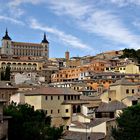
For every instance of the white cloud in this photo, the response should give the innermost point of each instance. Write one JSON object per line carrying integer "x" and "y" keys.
{"x": 123, "y": 3}
{"x": 136, "y": 23}
{"x": 109, "y": 26}
{"x": 67, "y": 39}
{"x": 73, "y": 7}
{"x": 11, "y": 20}
{"x": 16, "y": 3}
{"x": 99, "y": 22}
{"x": 16, "y": 9}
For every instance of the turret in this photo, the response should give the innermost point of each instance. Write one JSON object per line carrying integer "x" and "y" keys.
{"x": 44, "y": 39}
{"x": 45, "y": 45}
{"x": 6, "y": 37}
{"x": 6, "y": 44}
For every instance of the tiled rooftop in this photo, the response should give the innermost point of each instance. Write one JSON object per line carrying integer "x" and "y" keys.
{"x": 111, "y": 107}
{"x": 70, "y": 135}
{"x": 53, "y": 91}
{"x": 26, "y": 44}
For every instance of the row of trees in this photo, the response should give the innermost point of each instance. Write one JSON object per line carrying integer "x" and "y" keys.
{"x": 131, "y": 53}
{"x": 29, "y": 124}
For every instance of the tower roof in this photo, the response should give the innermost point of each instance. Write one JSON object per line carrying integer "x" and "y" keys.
{"x": 6, "y": 36}
{"x": 44, "y": 39}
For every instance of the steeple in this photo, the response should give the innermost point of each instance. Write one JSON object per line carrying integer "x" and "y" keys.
{"x": 6, "y": 37}
{"x": 44, "y": 39}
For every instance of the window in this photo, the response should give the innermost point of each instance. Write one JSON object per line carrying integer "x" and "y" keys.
{"x": 58, "y": 97}
{"x": 71, "y": 97}
{"x": 51, "y": 111}
{"x": 67, "y": 110}
{"x": 132, "y": 90}
{"x": 109, "y": 99}
{"x": 64, "y": 97}
{"x": 46, "y": 112}
{"x": 127, "y": 91}
{"x": 51, "y": 97}
{"x": 78, "y": 97}
{"x": 58, "y": 111}
{"x": 46, "y": 97}
{"x": 134, "y": 102}
{"x": 2, "y": 95}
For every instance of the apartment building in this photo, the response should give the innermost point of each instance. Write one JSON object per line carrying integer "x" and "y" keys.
{"x": 68, "y": 75}
{"x": 120, "y": 90}
{"x": 60, "y": 103}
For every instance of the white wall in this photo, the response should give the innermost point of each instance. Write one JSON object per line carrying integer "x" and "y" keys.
{"x": 99, "y": 128}
{"x": 18, "y": 98}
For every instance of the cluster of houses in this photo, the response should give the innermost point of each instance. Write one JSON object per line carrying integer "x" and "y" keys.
{"x": 85, "y": 94}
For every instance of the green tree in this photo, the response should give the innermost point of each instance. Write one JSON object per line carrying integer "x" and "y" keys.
{"x": 7, "y": 73}
{"x": 128, "y": 124}
{"x": 138, "y": 55}
{"x": 2, "y": 76}
{"x": 28, "y": 124}
{"x": 131, "y": 53}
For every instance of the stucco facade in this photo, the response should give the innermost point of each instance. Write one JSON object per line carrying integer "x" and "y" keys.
{"x": 55, "y": 104}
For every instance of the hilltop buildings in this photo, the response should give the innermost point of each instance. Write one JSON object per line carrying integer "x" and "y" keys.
{"x": 85, "y": 94}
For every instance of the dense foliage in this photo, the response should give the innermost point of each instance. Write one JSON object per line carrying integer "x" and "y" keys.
{"x": 131, "y": 53}
{"x": 28, "y": 124}
{"x": 128, "y": 124}
{"x": 5, "y": 75}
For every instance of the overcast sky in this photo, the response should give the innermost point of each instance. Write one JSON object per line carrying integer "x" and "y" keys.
{"x": 83, "y": 27}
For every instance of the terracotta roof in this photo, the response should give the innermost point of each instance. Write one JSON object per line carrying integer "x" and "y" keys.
{"x": 71, "y": 135}
{"x": 111, "y": 107}
{"x": 52, "y": 91}
{"x": 25, "y": 44}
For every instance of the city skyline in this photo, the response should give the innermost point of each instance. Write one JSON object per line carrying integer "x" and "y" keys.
{"x": 79, "y": 26}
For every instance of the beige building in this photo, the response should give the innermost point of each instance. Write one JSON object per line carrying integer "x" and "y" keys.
{"x": 133, "y": 69}
{"x": 120, "y": 90}
{"x": 17, "y": 65}
{"x": 6, "y": 91}
{"x": 126, "y": 68}
{"x": 59, "y": 103}
{"x": 10, "y": 47}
